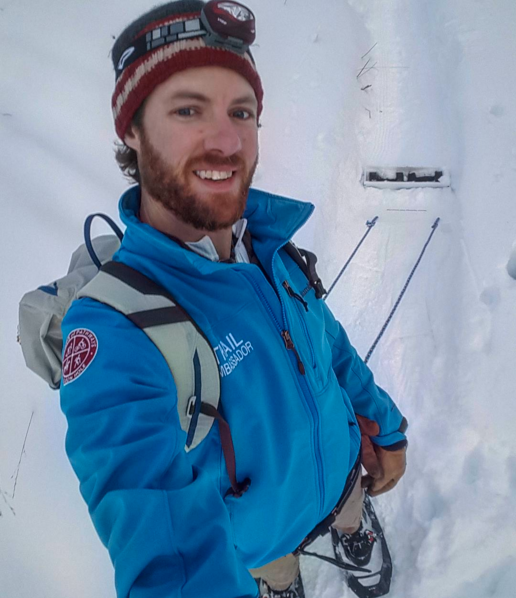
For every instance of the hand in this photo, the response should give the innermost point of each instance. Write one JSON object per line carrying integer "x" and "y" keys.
{"x": 384, "y": 468}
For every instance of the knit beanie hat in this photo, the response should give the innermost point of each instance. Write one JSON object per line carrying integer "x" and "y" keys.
{"x": 166, "y": 38}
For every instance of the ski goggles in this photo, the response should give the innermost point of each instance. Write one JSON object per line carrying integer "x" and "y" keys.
{"x": 225, "y": 25}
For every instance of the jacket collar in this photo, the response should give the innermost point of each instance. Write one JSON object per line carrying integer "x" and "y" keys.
{"x": 271, "y": 219}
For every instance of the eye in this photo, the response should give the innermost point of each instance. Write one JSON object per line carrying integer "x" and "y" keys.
{"x": 186, "y": 112}
{"x": 243, "y": 114}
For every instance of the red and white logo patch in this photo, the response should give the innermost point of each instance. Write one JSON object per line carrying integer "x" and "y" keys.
{"x": 80, "y": 350}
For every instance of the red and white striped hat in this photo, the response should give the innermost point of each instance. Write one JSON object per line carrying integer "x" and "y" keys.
{"x": 160, "y": 43}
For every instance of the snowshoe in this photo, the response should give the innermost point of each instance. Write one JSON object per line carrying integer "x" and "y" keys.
{"x": 296, "y": 590}
{"x": 366, "y": 547}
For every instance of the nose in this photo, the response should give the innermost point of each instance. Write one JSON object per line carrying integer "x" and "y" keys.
{"x": 223, "y": 137}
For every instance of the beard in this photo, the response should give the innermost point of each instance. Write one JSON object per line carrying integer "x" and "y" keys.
{"x": 168, "y": 185}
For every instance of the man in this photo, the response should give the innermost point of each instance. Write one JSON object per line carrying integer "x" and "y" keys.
{"x": 187, "y": 104}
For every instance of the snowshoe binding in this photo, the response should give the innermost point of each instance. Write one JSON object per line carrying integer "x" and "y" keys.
{"x": 295, "y": 590}
{"x": 367, "y": 547}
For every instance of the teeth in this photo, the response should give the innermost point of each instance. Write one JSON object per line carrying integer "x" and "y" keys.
{"x": 214, "y": 175}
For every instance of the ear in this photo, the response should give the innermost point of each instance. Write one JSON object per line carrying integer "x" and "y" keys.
{"x": 132, "y": 138}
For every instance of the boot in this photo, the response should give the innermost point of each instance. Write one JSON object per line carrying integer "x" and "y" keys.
{"x": 355, "y": 548}
{"x": 295, "y": 590}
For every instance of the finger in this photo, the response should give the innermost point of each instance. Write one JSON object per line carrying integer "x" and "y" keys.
{"x": 370, "y": 458}
{"x": 367, "y": 426}
{"x": 377, "y": 489}
{"x": 367, "y": 481}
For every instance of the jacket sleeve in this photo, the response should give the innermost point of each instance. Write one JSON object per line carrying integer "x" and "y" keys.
{"x": 366, "y": 397}
{"x": 164, "y": 523}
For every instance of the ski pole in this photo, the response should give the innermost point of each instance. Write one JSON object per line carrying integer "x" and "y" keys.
{"x": 370, "y": 352}
{"x": 369, "y": 224}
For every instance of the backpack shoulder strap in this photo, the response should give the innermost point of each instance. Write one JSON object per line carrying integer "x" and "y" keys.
{"x": 306, "y": 261}
{"x": 183, "y": 345}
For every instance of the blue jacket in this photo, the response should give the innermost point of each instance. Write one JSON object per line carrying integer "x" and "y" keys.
{"x": 161, "y": 512}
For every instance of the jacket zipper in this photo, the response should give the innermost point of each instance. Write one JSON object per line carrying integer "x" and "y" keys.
{"x": 294, "y": 295}
{"x": 289, "y": 344}
{"x": 285, "y": 334}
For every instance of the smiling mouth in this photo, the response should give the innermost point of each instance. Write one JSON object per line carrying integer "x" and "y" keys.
{"x": 215, "y": 175}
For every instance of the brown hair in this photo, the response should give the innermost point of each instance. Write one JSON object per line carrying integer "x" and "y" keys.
{"x": 126, "y": 157}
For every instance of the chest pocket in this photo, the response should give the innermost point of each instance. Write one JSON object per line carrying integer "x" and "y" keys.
{"x": 307, "y": 323}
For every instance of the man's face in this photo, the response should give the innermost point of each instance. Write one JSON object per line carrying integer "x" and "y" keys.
{"x": 198, "y": 146}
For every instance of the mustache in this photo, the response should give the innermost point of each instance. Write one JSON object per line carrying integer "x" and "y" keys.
{"x": 216, "y": 160}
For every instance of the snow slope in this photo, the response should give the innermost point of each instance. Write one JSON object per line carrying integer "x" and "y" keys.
{"x": 440, "y": 92}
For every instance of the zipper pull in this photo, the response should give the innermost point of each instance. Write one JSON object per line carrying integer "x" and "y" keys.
{"x": 289, "y": 344}
{"x": 294, "y": 295}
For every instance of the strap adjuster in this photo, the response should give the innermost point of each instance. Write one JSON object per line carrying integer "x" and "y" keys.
{"x": 190, "y": 406}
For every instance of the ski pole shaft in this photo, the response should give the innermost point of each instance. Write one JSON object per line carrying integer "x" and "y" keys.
{"x": 387, "y": 322}
{"x": 369, "y": 224}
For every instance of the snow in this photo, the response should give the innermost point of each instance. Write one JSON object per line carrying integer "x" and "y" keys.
{"x": 441, "y": 91}
{"x": 511, "y": 270}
